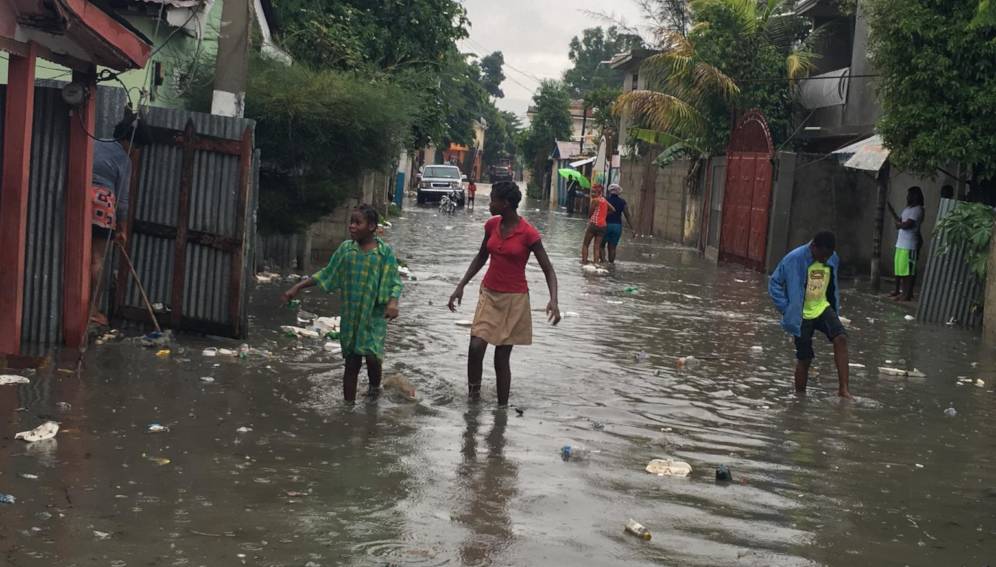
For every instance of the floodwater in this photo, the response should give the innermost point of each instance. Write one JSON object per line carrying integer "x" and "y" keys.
{"x": 886, "y": 479}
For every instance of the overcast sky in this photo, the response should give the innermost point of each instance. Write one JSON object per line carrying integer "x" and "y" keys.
{"x": 534, "y": 37}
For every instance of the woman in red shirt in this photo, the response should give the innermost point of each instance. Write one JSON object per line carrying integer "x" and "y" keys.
{"x": 503, "y": 316}
{"x": 597, "y": 223}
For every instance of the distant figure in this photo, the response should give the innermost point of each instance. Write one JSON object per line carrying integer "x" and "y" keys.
{"x": 597, "y": 222}
{"x": 503, "y": 317}
{"x": 947, "y": 192}
{"x": 613, "y": 226}
{"x": 471, "y": 192}
{"x": 364, "y": 270}
{"x": 805, "y": 291}
{"x": 908, "y": 242}
{"x": 109, "y": 193}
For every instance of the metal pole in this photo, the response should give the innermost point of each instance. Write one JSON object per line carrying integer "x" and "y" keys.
{"x": 883, "y": 196}
{"x": 141, "y": 288}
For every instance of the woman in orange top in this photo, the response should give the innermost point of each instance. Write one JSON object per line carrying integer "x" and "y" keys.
{"x": 596, "y": 224}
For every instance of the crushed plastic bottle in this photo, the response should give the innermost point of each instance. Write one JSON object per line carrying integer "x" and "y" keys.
{"x": 951, "y": 412}
{"x": 294, "y": 304}
{"x": 638, "y": 529}
{"x": 569, "y": 453}
{"x": 7, "y": 499}
{"x": 244, "y": 351}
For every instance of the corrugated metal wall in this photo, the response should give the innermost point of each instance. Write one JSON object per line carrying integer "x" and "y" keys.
{"x": 950, "y": 291}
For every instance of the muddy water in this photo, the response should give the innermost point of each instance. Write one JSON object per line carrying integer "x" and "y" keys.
{"x": 887, "y": 479}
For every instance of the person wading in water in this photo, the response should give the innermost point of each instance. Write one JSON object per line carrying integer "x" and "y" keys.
{"x": 503, "y": 316}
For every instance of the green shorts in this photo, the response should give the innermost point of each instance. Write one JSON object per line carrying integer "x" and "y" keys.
{"x": 905, "y": 263}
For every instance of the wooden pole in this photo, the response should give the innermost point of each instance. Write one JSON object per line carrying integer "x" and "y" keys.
{"x": 883, "y": 197}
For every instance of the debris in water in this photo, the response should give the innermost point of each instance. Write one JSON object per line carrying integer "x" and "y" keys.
{"x": 631, "y": 290}
{"x": 163, "y": 353}
{"x": 161, "y": 461}
{"x": 951, "y": 412}
{"x": 569, "y": 314}
{"x": 293, "y": 304}
{"x": 910, "y": 318}
{"x": 207, "y": 379}
{"x": 520, "y": 412}
{"x": 44, "y": 431}
{"x": 210, "y": 352}
{"x": 919, "y": 466}
{"x": 844, "y": 320}
{"x": 293, "y": 332}
{"x": 668, "y": 467}
{"x": 464, "y": 323}
{"x": 9, "y": 379}
{"x": 244, "y": 429}
{"x": 63, "y": 406}
{"x": 266, "y": 277}
{"x": 687, "y": 362}
{"x": 332, "y": 347}
{"x": 7, "y": 498}
{"x": 101, "y": 535}
{"x": 642, "y": 356}
{"x": 979, "y": 383}
{"x": 156, "y": 339}
{"x": 29, "y": 476}
{"x": 598, "y": 426}
{"x": 226, "y": 352}
{"x": 637, "y": 529}
{"x": 304, "y": 317}
{"x": 157, "y": 428}
{"x": 757, "y": 348}
{"x": 569, "y": 453}
{"x": 856, "y": 365}
{"x": 900, "y": 372}
{"x": 594, "y": 270}
{"x": 397, "y": 382}
{"x": 952, "y": 322}
{"x": 723, "y": 474}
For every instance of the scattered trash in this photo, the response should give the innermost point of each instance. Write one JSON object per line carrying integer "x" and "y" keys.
{"x": 520, "y": 412}
{"x": 159, "y": 307}
{"x": 951, "y": 412}
{"x": 900, "y": 372}
{"x": 952, "y": 322}
{"x": 244, "y": 429}
{"x": 979, "y": 383}
{"x": 397, "y": 382}
{"x": 327, "y": 325}
{"x": 7, "y": 498}
{"x": 156, "y": 339}
{"x": 266, "y": 277}
{"x": 101, "y": 535}
{"x": 723, "y": 474}
{"x": 687, "y": 362}
{"x": 161, "y": 461}
{"x": 757, "y": 349}
{"x": 304, "y": 318}
{"x": 638, "y": 529}
{"x": 9, "y": 379}
{"x": 568, "y": 453}
{"x": 464, "y": 323}
{"x": 667, "y": 467}
{"x": 613, "y": 302}
{"x": 163, "y": 353}
{"x": 919, "y": 466}
{"x": 332, "y": 347}
{"x": 844, "y": 320}
{"x": 29, "y": 476}
{"x": 210, "y": 352}
{"x": 298, "y": 332}
{"x": 405, "y": 272}
{"x": 642, "y": 356}
{"x": 566, "y": 314}
{"x": 44, "y": 431}
{"x": 631, "y": 290}
{"x": 156, "y": 428}
{"x": 856, "y": 365}
{"x": 598, "y": 426}
{"x": 594, "y": 270}
{"x": 293, "y": 304}
{"x": 226, "y": 352}
{"x": 207, "y": 379}
{"x": 910, "y": 318}
{"x": 244, "y": 351}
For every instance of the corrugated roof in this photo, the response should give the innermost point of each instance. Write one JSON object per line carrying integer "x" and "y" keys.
{"x": 565, "y": 150}
{"x": 869, "y": 154}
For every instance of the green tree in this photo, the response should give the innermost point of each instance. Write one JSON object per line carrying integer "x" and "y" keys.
{"x": 502, "y": 137}
{"x": 938, "y": 85}
{"x": 725, "y": 65}
{"x": 551, "y": 121}
{"x": 587, "y": 54}
{"x": 492, "y": 74}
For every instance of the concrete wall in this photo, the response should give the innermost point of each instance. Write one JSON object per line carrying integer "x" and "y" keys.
{"x": 676, "y": 214}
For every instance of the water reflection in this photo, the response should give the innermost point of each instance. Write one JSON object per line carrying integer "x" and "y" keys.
{"x": 488, "y": 484}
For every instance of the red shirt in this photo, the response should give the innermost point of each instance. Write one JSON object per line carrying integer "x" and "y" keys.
{"x": 599, "y": 211}
{"x": 472, "y": 189}
{"x": 507, "y": 270}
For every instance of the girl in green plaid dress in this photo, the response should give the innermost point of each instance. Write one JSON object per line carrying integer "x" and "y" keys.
{"x": 365, "y": 271}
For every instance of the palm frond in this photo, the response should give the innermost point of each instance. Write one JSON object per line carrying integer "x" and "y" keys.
{"x": 709, "y": 79}
{"x": 662, "y": 111}
{"x": 799, "y": 64}
{"x": 674, "y": 63}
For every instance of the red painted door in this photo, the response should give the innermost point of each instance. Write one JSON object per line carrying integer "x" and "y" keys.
{"x": 747, "y": 198}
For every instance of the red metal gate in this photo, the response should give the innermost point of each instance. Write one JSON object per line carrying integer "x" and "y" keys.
{"x": 747, "y": 196}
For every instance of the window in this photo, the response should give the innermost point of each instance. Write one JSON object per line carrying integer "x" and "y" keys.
{"x": 636, "y": 81}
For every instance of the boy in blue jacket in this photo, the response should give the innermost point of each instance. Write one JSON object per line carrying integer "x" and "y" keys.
{"x": 804, "y": 289}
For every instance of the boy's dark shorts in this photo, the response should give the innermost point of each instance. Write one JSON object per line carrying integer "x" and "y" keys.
{"x": 827, "y": 323}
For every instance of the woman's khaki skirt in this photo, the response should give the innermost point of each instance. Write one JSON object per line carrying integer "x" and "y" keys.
{"x": 503, "y": 319}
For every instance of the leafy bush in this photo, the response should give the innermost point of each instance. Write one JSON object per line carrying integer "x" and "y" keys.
{"x": 318, "y": 132}
{"x": 970, "y": 226}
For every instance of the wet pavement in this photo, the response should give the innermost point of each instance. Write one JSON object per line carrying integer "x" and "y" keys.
{"x": 264, "y": 465}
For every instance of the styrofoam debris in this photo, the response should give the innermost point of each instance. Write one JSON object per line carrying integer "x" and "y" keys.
{"x": 910, "y": 318}
{"x": 47, "y": 430}
{"x": 465, "y": 323}
{"x": 210, "y": 352}
{"x": 9, "y": 379}
{"x": 668, "y": 467}
{"x": 900, "y": 372}
{"x": 302, "y": 333}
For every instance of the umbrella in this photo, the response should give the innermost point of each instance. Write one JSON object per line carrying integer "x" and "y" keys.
{"x": 575, "y": 175}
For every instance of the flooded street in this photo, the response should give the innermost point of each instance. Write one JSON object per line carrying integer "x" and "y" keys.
{"x": 265, "y": 465}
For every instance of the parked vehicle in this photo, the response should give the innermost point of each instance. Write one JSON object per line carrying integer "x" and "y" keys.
{"x": 438, "y": 181}
{"x": 500, "y": 172}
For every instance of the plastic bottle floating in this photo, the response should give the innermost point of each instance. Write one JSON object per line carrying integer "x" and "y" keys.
{"x": 668, "y": 467}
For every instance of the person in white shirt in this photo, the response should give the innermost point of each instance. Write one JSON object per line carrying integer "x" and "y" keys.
{"x": 908, "y": 243}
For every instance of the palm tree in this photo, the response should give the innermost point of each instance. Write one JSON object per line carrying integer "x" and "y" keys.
{"x": 697, "y": 81}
